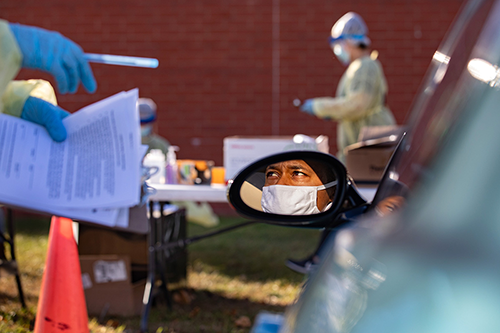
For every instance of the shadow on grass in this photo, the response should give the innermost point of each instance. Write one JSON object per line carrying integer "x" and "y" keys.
{"x": 31, "y": 224}
{"x": 8, "y": 298}
{"x": 257, "y": 251}
{"x": 199, "y": 311}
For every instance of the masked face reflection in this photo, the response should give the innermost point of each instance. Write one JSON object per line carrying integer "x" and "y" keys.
{"x": 298, "y": 187}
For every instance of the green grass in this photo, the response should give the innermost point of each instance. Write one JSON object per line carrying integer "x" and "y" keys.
{"x": 232, "y": 275}
{"x": 257, "y": 251}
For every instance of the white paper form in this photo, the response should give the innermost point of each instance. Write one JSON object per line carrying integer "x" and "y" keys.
{"x": 102, "y": 216}
{"x": 95, "y": 167}
{"x": 121, "y": 219}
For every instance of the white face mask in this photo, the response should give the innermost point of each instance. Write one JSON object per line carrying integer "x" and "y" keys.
{"x": 342, "y": 55}
{"x": 146, "y": 130}
{"x": 292, "y": 200}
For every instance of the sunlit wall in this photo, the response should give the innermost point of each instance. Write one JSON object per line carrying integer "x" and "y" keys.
{"x": 233, "y": 67}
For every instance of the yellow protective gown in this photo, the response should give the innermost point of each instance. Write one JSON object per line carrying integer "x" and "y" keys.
{"x": 359, "y": 102}
{"x": 13, "y": 94}
{"x": 154, "y": 141}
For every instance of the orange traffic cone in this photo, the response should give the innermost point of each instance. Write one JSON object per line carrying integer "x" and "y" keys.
{"x": 61, "y": 306}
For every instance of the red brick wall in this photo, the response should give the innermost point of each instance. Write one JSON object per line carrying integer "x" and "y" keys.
{"x": 215, "y": 77}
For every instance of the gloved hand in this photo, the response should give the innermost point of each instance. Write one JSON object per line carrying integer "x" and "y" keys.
{"x": 46, "y": 114}
{"x": 52, "y": 52}
{"x": 307, "y": 106}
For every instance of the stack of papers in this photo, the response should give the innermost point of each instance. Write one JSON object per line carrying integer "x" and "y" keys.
{"x": 93, "y": 176}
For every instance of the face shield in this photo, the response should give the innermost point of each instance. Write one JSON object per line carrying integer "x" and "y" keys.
{"x": 338, "y": 46}
{"x": 339, "y": 49}
{"x": 350, "y": 28}
{"x": 147, "y": 114}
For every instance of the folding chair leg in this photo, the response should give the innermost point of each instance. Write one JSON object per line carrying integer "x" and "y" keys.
{"x": 10, "y": 226}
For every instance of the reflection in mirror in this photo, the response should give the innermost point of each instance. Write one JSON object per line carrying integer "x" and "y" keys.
{"x": 389, "y": 205}
{"x": 391, "y": 196}
{"x": 292, "y": 187}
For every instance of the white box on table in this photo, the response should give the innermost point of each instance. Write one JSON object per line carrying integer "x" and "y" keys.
{"x": 240, "y": 151}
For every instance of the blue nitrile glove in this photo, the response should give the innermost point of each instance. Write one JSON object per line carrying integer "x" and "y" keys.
{"x": 52, "y": 52}
{"x": 307, "y": 106}
{"x": 46, "y": 114}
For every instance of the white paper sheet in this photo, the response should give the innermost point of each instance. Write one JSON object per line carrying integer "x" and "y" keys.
{"x": 97, "y": 167}
{"x": 122, "y": 218}
{"x": 103, "y": 216}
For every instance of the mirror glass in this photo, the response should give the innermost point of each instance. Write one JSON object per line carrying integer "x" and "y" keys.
{"x": 291, "y": 187}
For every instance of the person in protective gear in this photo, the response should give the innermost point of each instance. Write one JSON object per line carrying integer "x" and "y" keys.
{"x": 35, "y": 100}
{"x": 200, "y": 213}
{"x": 147, "y": 114}
{"x": 361, "y": 92}
{"x": 49, "y": 51}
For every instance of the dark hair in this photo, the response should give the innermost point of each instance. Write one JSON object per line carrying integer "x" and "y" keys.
{"x": 325, "y": 174}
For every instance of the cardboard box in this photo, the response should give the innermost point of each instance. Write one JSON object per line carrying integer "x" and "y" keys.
{"x": 99, "y": 241}
{"x": 94, "y": 240}
{"x": 108, "y": 286}
{"x": 366, "y": 160}
{"x": 367, "y": 164}
{"x": 239, "y": 151}
{"x": 381, "y": 132}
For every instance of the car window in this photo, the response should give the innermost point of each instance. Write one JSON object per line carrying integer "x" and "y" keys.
{"x": 439, "y": 104}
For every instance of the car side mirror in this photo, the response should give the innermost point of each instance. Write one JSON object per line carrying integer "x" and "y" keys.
{"x": 297, "y": 188}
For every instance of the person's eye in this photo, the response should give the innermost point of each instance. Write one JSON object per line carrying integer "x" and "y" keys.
{"x": 391, "y": 207}
{"x": 271, "y": 174}
{"x": 299, "y": 174}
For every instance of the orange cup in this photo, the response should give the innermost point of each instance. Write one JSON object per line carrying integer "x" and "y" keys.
{"x": 218, "y": 174}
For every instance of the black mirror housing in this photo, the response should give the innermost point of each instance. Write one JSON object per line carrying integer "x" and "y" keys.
{"x": 255, "y": 174}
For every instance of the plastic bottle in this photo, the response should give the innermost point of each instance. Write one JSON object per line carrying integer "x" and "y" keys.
{"x": 156, "y": 158}
{"x": 171, "y": 168}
